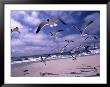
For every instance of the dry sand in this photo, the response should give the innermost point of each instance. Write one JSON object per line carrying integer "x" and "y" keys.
{"x": 81, "y": 67}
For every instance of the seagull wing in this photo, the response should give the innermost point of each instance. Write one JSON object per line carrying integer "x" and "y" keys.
{"x": 87, "y": 24}
{"x": 42, "y": 24}
{"x": 51, "y": 33}
{"x": 58, "y": 19}
{"x": 76, "y": 28}
{"x": 59, "y": 30}
{"x": 90, "y": 22}
{"x": 81, "y": 32}
{"x": 86, "y": 38}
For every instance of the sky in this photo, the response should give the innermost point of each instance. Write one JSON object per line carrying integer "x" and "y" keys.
{"x": 29, "y": 43}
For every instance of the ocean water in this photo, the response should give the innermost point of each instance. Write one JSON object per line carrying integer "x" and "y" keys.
{"x": 15, "y": 60}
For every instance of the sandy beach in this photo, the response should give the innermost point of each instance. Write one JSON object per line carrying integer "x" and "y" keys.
{"x": 86, "y": 66}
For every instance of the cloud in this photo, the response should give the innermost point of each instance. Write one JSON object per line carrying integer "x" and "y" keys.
{"x": 26, "y": 18}
{"x": 30, "y": 43}
{"x": 15, "y": 23}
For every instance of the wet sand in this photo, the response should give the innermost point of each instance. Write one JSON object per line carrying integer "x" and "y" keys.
{"x": 86, "y": 66}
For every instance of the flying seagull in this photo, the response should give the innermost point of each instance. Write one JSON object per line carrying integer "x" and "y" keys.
{"x": 91, "y": 37}
{"x": 51, "y": 22}
{"x": 63, "y": 48}
{"x": 15, "y": 29}
{"x": 44, "y": 60}
{"x": 68, "y": 41}
{"x": 76, "y": 52}
{"x": 54, "y": 33}
{"x": 86, "y": 49}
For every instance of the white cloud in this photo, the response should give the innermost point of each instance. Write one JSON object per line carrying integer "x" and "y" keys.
{"x": 26, "y": 17}
{"x": 15, "y": 23}
{"x": 34, "y": 20}
{"x": 17, "y": 42}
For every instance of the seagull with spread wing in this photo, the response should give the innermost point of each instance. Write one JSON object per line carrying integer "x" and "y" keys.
{"x": 51, "y": 22}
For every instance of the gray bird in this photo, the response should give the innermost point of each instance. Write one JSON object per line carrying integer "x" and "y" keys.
{"x": 51, "y": 22}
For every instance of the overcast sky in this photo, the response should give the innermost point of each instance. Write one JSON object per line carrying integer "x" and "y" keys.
{"x": 29, "y": 43}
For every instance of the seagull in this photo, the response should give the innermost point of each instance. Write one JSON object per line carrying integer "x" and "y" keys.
{"x": 75, "y": 52}
{"x": 87, "y": 49}
{"x": 91, "y": 37}
{"x": 44, "y": 60}
{"x": 15, "y": 29}
{"x": 63, "y": 48}
{"x": 57, "y": 31}
{"x": 51, "y": 22}
{"x": 69, "y": 41}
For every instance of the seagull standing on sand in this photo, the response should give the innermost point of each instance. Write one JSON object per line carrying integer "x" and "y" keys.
{"x": 15, "y": 29}
{"x": 51, "y": 22}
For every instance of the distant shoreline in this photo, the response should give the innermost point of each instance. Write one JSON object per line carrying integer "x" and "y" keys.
{"x": 51, "y": 59}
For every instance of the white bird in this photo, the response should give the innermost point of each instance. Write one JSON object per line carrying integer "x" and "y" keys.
{"x": 51, "y": 22}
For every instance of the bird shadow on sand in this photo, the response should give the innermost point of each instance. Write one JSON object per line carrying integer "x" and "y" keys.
{"x": 47, "y": 74}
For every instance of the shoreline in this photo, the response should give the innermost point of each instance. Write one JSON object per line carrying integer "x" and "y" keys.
{"x": 50, "y": 59}
{"x": 65, "y": 67}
